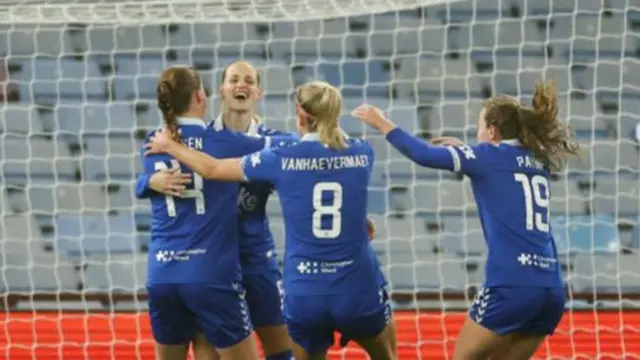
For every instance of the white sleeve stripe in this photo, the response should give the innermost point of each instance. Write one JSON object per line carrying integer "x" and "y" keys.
{"x": 456, "y": 159}
{"x": 267, "y": 142}
{"x": 242, "y": 162}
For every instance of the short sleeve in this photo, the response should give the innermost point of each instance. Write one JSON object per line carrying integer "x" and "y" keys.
{"x": 150, "y": 164}
{"x": 469, "y": 160}
{"x": 262, "y": 166}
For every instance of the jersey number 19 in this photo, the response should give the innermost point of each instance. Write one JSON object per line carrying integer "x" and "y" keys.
{"x": 332, "y": 209}
{"x": 196, "y": 193}
{"x": 536, "y": 192}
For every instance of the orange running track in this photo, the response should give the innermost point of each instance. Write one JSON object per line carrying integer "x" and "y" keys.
{"x": 425, "y": 335}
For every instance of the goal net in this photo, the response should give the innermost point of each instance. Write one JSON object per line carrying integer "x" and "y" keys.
{"x": 78, "y": 86}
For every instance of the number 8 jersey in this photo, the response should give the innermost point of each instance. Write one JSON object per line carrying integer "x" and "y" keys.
{"x": 511, "y": 189}
{"x": 323, "y": 193}
{"x": 194, "y": 238}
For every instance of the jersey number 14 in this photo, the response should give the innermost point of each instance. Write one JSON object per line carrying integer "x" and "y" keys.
{"x": 195, "y": 193}
{"x": 536, "y": 192}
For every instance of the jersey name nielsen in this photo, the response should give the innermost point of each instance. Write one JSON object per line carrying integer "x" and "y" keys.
{"x": 195, "y": 143}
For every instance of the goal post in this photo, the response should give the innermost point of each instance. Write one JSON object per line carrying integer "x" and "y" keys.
{"x": 77, "y": 84}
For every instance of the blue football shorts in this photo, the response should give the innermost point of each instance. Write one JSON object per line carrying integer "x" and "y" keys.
{"x": 264, "y": 297}
{"x": 529, "y": 310}
{"x": 313, "y": 320}
{"x": 179, "y": 311}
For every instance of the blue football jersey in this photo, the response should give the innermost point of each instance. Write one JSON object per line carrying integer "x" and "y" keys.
{"x": 323, "y": 193}
{"x": 511, "y": 189}
{"x": 194, "y": 238}
{"x": 257, "y": 248}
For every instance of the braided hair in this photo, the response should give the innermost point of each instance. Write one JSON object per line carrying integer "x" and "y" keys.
{"x": 175, "y": 91}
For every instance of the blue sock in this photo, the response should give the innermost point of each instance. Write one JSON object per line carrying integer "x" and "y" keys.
{"x": 285, "y": 355}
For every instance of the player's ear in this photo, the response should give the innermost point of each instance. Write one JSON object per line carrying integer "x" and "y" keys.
{"x": 300, "y": 118}
{"x": 260, "y": 93}
{"x": 221, "y": 92}
{"x": 493, "y": 132}
{"x": 201, "y": 95}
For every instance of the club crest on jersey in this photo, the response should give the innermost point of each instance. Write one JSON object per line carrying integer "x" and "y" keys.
{"x": 255, "y": 159}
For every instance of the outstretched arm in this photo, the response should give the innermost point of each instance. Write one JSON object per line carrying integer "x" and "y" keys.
{"x": 414, "y": 148}
{"x": 207, "y": 166}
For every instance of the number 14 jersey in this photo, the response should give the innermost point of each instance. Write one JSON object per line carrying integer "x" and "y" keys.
{"x": 323, "y": 193}
{"x": 194, "y": 238}
{"x": 511, "y": 189}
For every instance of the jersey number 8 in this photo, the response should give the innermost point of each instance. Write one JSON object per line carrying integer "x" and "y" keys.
{"x": 536, "y": 191}
{"x": 196, "y": 193}
{"x": 332, "y": 209}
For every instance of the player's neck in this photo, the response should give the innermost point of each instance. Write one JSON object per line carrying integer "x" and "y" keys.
{"x": 238, "y": 121}
{"x": 193, "y": 114}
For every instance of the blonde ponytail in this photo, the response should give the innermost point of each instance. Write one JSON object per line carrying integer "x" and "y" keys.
{"x": 331, "y": 136}
{"x": 322, "y": 103}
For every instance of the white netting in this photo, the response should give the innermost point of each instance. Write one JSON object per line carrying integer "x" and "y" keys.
{"x": 160, "y": 11}
{"x": 78, "y": 84}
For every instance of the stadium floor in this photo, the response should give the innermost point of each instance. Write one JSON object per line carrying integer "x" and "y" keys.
{"x": 428, "y": 335}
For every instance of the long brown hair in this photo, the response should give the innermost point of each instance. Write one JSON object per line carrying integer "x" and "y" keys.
{"x": 322, "y": 103}
{"x": 175, "y": 91}
{"x": 537, "y": 127}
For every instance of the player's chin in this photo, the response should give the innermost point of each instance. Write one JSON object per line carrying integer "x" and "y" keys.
{"x": 241, "y": 105}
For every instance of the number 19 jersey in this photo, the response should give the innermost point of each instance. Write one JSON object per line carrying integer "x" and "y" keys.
{"x": 511, "y": 189}
{"x": 323, "y": 193}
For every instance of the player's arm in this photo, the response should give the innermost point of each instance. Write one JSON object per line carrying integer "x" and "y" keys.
{"x": 410, "y": 146}
{"x": 421, "y": 152}
{"x": 243, "y": 144}
{"x": 143, "y": 190}
{"x": 207, "y": 166}
{"x": 454, "y": 158}
{"x": 162, "y": 180}
{"x": 170, "y": 182}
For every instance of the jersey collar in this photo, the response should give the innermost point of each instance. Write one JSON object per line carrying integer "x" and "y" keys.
{"x": 310, "y": 137}
{"x": 191, "y": 121}
{"x": 218, "y": 125}
{"x": 512, "y": 142}
{"x": 314, "y": 136}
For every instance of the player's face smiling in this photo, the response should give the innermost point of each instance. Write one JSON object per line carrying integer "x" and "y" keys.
{"x": 240, "y": 89}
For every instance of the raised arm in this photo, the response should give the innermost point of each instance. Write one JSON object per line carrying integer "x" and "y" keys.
{"x": 205, "y": 165}
{"x": 419, "y": 151}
